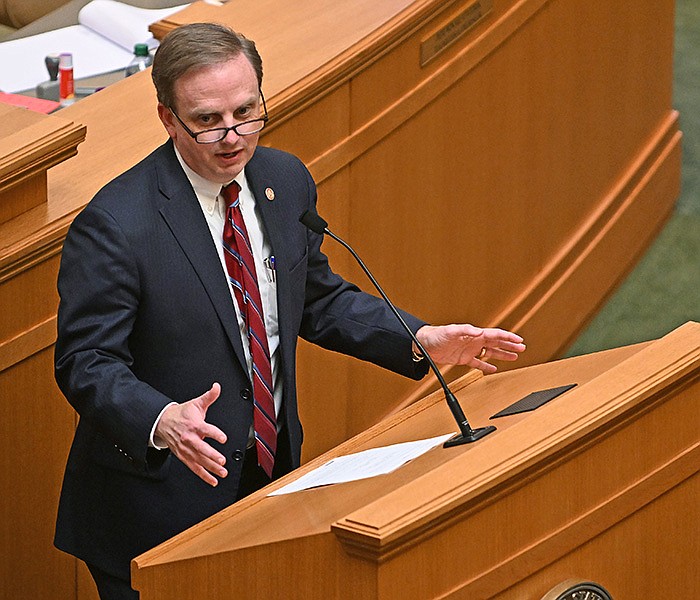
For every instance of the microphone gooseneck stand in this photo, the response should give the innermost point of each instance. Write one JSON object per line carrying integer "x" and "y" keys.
{"x": 467, "y": 434}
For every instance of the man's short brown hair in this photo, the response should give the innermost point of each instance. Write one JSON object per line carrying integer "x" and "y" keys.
{"x": 195, "y": 46}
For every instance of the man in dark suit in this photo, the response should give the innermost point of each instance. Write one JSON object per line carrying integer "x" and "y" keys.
{"x": 155, "y": 349}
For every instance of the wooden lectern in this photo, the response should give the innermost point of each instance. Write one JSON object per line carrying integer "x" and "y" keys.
{"x": 599, "y": 484}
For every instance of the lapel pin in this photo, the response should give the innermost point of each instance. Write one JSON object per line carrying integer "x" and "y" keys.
{"x": 270, "y": 193}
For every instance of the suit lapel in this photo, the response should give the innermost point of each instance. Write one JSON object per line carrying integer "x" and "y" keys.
{"x": 183, "y": 215}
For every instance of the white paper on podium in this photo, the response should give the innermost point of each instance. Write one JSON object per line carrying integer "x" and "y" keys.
{"x": 102, "y": 42}
{"x": 361, "y": 465}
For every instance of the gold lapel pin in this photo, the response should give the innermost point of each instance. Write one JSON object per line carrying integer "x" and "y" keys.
{"x": 270, "y": 193}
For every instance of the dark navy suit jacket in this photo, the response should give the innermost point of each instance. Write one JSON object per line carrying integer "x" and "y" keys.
{"x": 146, "y": 318}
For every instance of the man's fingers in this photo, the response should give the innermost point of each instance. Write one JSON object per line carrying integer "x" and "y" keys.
{"x": 203, "y": 474}
{"x": 484, "y": 367}
{"x": 507, "y": 350}
{"x": 185, "y": 430}
{"x": 198, "y": 456}
{"x": 497, "y": 337}
{"x": 212, "y": 468}
{"x": 209, "y": 397}
{"x": 208, "y": 456}
{"x": 501, "y": 354}
{"x": 207, "y": 430}
{"x": 503, "y": 345}
{"x": 204, "y": 402}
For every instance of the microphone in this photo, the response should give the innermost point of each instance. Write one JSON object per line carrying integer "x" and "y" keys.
{"x": 467, "y": 435}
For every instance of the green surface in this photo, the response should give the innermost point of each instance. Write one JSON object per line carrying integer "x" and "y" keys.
{"x": 663, "y": 291}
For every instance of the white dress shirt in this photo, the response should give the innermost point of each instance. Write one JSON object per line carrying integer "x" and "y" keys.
{"x": 213, "y": 207}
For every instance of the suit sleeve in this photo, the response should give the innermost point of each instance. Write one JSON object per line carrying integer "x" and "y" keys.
{"x": 99, "y": 290}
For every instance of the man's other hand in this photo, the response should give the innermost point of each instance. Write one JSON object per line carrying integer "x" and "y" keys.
{"x": 183, "y": 429}
{"x": 469, "y": 345}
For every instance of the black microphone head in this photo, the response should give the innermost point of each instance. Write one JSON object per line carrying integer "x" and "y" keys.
{"x": 314, "y": 222}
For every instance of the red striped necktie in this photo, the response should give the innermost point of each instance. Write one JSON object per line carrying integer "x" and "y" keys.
{"x": 241, "y": 271}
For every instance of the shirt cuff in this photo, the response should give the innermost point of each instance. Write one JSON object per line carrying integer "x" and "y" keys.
{"x": 151, "y": 440}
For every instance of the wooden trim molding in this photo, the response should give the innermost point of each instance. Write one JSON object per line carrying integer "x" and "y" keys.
{"x": 34, "y": 252}
{"x": 28, "y": 343}
{"x": 495, "y": 33}
{"x": 34, "y": 144}
{"x": 614, "y": 224}
{"x": 38, "y": 148}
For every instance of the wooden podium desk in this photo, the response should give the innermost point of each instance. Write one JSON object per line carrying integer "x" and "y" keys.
{"x": 599, "y": 484}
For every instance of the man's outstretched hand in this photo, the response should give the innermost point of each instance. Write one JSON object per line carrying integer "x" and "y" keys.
{"x": 469, "y": 345}
{"x": 183, "y": 429}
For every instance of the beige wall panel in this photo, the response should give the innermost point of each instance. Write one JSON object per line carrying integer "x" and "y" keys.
{"x": 28, "y": 298}
{"x": 313, "y": 129}
{"x": 554, "y": 131}
{"x": 35, "y": 434}
{"x": 636, "y": 558}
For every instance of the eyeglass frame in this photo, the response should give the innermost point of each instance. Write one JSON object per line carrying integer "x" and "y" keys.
{"x": 264, "y": 119}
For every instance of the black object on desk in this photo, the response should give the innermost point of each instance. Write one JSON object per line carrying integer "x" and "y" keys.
{"x": 533, "y": 401}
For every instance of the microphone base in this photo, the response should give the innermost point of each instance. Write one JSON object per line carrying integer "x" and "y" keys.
{"x": 476, "y": 434}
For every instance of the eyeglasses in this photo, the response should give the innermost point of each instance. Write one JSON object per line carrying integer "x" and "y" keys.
{"x": 211, "y": 136}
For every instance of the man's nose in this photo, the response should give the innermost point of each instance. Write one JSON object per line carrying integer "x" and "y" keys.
{"x": 231, "y": 136}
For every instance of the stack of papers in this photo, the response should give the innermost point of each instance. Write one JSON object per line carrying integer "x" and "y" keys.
{"x": 361, "y": 465}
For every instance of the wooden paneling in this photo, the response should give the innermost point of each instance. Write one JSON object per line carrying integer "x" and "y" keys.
{"x": 37, "y": 426}
{"x": 645, "y": 543}
{"x": 512, "y": 180}
{"x": 35, "y": 434}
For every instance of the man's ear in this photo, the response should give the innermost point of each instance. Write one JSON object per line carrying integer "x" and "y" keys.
{"x": 166, "y": 117}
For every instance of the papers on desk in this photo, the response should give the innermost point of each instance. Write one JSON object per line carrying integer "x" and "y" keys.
{"x": 102, "y": 42}
{"x": 361, "y": 465}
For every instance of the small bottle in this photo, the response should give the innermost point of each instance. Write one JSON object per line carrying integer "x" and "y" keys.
{"x": 141, "y": 61}
{"x": 66, "y": 85}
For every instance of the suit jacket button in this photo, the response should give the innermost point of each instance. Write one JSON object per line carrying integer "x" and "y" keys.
{"x": 238, "y": 455}
{"x": 246, "y": 394}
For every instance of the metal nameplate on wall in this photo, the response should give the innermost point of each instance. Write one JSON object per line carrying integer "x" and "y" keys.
{"x": 453, "y": 30}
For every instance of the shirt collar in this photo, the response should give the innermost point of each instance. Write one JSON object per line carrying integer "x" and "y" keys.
{"x": 207, "y": 191}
